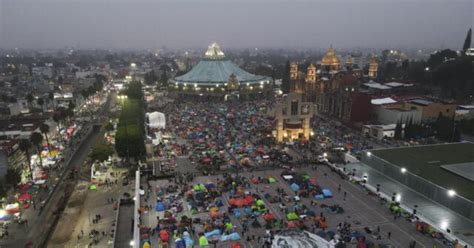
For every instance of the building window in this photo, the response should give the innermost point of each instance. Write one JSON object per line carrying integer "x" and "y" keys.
{"x": 294, "y": 107}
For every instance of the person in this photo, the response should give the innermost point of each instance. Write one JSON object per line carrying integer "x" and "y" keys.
{"x": 345, "y": 194}
{"x": 339, "y": 188}
{"x": 389, "y": 235}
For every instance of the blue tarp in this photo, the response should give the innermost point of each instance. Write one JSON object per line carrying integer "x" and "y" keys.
{"x": 319, "y": 197}
{"x": 215, "y": 232}
{"x": 188, "y": 240}
{"x": 233, "y": 236}
{"x": 327, "y": 193}
{"x": 295, "y": 187}
{"x": 160, "y": 207}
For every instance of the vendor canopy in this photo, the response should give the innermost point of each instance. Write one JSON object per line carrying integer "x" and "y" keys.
{"x": 156, "y": 120}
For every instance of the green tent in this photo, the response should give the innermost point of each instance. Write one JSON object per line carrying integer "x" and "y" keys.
{"x": 199, "y": 187}
{"x": 292, "y": 216}
{"x": 93, "y": 187}
{"x": 203, "y": 241}
{"x": 229, "y": 226}
{"x": 260, "y": 203}
{"x": 306, "y": 177}
{"x": 272, "y": 180}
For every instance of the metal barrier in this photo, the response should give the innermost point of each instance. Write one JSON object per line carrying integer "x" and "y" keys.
{"x": 457, "y": 203}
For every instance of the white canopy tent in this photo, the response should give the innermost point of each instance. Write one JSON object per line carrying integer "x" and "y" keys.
{"x": 156, "y": 120}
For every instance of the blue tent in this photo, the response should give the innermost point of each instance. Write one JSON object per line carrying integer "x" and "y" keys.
{"x": 295, "y": 187}
{"x": 160, "y": 207}
{"x": 327, "y": 193}
{"x": 236, "y": 213}
{"x": 319, "y": 197}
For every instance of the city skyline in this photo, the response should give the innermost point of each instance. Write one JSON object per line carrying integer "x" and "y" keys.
{"x": 54, "y": 24}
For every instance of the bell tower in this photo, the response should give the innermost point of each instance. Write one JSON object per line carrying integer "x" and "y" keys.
{"x": 293, "y": 71}
{"x": 311, "y": 74}
{"x": 373, "y": 68}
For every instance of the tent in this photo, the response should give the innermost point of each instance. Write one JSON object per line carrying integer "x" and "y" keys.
{"x": 260, "y": 202}
{"x": 146, "y": 245}
{"x": 160, "y": 207}
{"x": 156, "y": 120}
{"x": 292, "y": 216}
{"x": 93, "y": 187}
{"x": 24, "y": 197}
{"x": 233, "y": 236}
{"x": 295, "y": 187}
{"x": 272, "y": 180}
{"x": 199, "y": 187}
{"x": 215, "y": 232}
{"x": 268, "y": 217}
{"x": 327, "y": 193}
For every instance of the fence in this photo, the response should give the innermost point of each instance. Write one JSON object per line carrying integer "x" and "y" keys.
{"x": 435, "y": 192}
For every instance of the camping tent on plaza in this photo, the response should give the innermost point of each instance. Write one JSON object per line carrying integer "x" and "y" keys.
{"x": 24, "y": 197}
{"x": 156, "y": 120}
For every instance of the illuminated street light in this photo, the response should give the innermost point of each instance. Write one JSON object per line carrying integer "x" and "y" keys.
{"x": 133, "y": 65}
{"x": 404, "y": 170}
{"x": 132, "y": 243}
{"x": 451, "y": 193}
{"x": 369, "y": 154}
{"x": 325, "y": 154}
{"x": 312, "y": 133}
{"x": 398, "y": 197}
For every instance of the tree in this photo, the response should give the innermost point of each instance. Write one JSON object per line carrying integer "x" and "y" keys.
{"x": 71, "y": 105}
{"x": 29, "y": 99}
{"x": 12, "y": 177}
{"x": 51, "y": 98}
{"x": 25, "y": 146}
{"x": 109, "y": 127}
{"x": 150, "y": 78}
{"x": 44, "y": 128}
{"x": 101, "y": 152}
{"x": 40, "y": 101}
{"x": 398, "y": 130}
{"x": 467, "y": 41}
{"x": 37, "y": 140}
{"x": 164, "y": 79}
{"x": 285, "y": 84}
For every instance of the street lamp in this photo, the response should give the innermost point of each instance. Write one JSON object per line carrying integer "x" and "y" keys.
{"x": 451, "y": 193}
{"x": 404, "y": 170}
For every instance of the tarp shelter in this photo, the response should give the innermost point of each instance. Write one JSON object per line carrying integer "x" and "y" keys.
{"x": 156, "y": 120}
{"x": 327, "y": 193}
{"x": 160, "y": 207}
{"x": 272, "y": 180}
{"x": 295, "y": 187}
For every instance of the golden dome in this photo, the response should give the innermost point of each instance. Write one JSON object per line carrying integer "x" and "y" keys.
{"x": 330, "y": 58}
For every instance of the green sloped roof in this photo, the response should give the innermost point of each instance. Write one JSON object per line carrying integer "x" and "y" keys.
{"x": 217, "y": 71}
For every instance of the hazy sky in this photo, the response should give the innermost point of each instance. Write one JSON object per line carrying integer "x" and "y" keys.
{"x": 232, "y": 23}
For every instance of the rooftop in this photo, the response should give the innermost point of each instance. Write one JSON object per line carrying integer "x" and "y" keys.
{"x": 427, "y": 162}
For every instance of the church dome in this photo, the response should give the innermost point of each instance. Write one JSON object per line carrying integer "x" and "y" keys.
{"x": 330, "y": 58}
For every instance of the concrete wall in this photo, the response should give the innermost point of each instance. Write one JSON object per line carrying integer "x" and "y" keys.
{"x": 392, "y": 116}
{"x": 434, "y": 192}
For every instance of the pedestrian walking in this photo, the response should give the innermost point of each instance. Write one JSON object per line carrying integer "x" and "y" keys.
{"x": 389, "y": 235}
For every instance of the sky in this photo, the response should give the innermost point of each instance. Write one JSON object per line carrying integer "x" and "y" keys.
{"x": 140, "y": 24}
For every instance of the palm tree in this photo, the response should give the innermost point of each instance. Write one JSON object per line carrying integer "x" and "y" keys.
{"x": 44, "y": 128}
{"x": 37, "y": 140}
{"x": 25, "y": 146}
